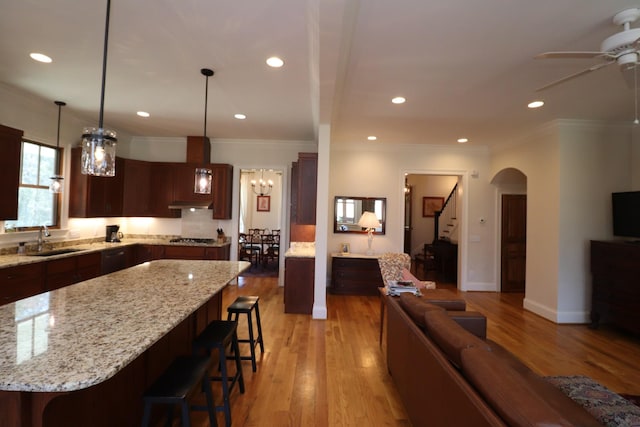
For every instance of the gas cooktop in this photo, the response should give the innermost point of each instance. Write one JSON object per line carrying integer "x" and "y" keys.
{"x": 192, "y": 240}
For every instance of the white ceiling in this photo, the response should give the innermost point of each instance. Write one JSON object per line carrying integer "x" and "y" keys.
{"x": 466, "y": 67}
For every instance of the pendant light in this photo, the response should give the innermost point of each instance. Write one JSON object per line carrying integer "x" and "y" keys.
{"x": 56, "y": 185}
{"x": 203, "y": 175}
{"x": 99, "y": 144}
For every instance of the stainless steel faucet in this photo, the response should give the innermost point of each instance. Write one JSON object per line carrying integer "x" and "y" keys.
{"x": 44, "y": 232}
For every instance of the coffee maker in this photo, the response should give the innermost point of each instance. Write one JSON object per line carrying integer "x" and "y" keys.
{"x": 112, "y": 234}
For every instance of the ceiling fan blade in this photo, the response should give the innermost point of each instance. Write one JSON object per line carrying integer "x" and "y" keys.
{"x": 570, "y": 54}
{"x": 579, "y": 73}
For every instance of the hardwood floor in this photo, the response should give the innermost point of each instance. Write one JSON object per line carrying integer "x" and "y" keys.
{"x": 333, "y": 372}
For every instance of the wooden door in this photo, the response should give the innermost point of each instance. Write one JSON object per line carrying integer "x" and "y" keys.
{"x": 514, "y": 242}
{"x": 407, "y": 220}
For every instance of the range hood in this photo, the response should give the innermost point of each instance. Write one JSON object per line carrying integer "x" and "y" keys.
{"x": 178, "y": 204}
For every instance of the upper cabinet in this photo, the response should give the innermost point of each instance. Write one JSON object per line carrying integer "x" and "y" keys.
{"x": 94, "y": 196}
{"x": 307, "y": 177}
{"x": 222, "y": 190}
{"x": 143, "y": 188}
{"x": 136, "y": 189}
{"x": 10, "y": 140}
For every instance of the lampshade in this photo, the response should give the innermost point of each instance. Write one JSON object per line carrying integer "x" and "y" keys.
{"x": 369, "y": 220}
{"x": 56, "y": 184}
{"x": 204, "y": 175}
{"x": 99, "y": 144}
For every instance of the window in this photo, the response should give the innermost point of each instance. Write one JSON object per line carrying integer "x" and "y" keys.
{"x": 36, "y": 204}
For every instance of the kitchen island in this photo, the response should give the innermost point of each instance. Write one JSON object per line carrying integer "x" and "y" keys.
{"x": 83, "y": 355}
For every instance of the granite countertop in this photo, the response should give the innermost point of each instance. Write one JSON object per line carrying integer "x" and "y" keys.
{"x": 83, "y": 334}
{"x": 301, "y": 250}
{"x": 11, "y": 260}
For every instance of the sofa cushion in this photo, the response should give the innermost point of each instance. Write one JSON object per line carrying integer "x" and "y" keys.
{"x": 472, "y": 321}
{"x": 517, "y": 394}
{"x": 416, "y": 307}
{"x": 449, "y": 335}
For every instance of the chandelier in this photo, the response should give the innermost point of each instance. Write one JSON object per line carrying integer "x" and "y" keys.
{"x": 261, "y": 187}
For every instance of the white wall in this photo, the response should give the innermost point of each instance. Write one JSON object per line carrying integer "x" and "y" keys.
{"x": 572, "y": 168}
{"x": 377, "y": 170}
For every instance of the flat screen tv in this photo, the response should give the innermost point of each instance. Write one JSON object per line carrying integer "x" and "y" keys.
{"x": 626, "y": 213}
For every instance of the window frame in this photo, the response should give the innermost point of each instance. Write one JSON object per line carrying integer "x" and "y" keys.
{"x": 57, "y": 198}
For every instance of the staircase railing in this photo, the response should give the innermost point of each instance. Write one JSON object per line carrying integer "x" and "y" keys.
{"x": 449, "y": 209}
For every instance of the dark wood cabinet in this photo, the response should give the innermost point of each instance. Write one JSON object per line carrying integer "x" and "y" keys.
{"x": 615, "y": 294}
{"x": 69, "y": 270}
{"x": 184, "y": 252}
{"x": 10, "y": 145}
{"x": 143, "y": 188}
{"x": 298, "y": 285}
{"x": 220, "y": 253}
{"x": 353, "y": 275}
{"x": 223, "y": 190}
{"x": 94, "y": 196}
{"x": 183, "y": 183}
{"x": 144, "y": 253}
{"x": 136, "y": 188}
{"x": 307, "y": 192}
{"x": 21, "y": 281}
{"x": 161, "y": 191}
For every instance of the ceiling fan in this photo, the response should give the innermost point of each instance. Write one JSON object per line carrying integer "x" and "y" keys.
{"x": 622, "y": 48}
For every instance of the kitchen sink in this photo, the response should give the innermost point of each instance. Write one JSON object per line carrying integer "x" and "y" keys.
{"x": 56, "y": 252}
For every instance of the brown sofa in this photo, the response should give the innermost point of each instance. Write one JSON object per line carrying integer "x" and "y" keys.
{"x": 448, "y": 376}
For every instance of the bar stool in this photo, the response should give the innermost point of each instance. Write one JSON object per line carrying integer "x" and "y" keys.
{"x": 245, "y": 305}
{"x": 217, "y": 336}
{"x": 176, "y": 384}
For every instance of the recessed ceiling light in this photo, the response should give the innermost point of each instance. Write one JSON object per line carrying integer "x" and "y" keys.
{"x": 535, "y": 104}
{"x": 143, "y": 114}
{"x": 372, "y": 138}
{"x": 275, "y": 62}
{"x": 463, "y": 140}
{"x": 40, "y": 57}
{"x": 240, "y": 116}
{"x": 399, "y": 100}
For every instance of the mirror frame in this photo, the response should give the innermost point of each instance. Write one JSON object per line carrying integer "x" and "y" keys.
{"x": 383, "y": 220}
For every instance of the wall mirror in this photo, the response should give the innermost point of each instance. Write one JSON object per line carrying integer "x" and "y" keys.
{"x": 348, "y": 210}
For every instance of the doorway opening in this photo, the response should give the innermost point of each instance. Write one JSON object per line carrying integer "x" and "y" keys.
{"x": 260, "y": 221}
{"x": 511, "y": 185}
{"x": 432, "y": 199}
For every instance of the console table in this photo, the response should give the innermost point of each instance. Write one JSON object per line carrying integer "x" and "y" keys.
{"x": 615, "y": 298}
{"x": 355, "y": 274}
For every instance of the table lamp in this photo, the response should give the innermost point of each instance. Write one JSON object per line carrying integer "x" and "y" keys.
{"x": 370, "y": 222}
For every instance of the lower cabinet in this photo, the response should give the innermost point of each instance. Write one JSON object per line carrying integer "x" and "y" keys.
{"x": 66, "y": 271}
{"x": 26, "y": 280}
{"x": 353, "y": 275}
{"x": 21, "y": 281}
{"x": 298, "y": 285}
{"x": 220, "y": 253}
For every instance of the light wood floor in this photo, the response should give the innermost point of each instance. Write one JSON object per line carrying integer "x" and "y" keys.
{"x": 333, "y": 372}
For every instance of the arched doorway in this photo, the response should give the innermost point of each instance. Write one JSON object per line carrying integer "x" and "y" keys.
{"x": 512, "y": 189}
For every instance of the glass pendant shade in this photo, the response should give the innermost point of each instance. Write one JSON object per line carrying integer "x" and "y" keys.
{"x": 98, "y": 152}
{"x": 57, "y": 184}
{"x": 203, "y": 181}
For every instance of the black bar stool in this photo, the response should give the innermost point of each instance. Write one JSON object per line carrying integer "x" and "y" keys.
{"x": 245, "y": 305}
{"x": 176, "y": 384}
{"x": 217, "y": 336}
